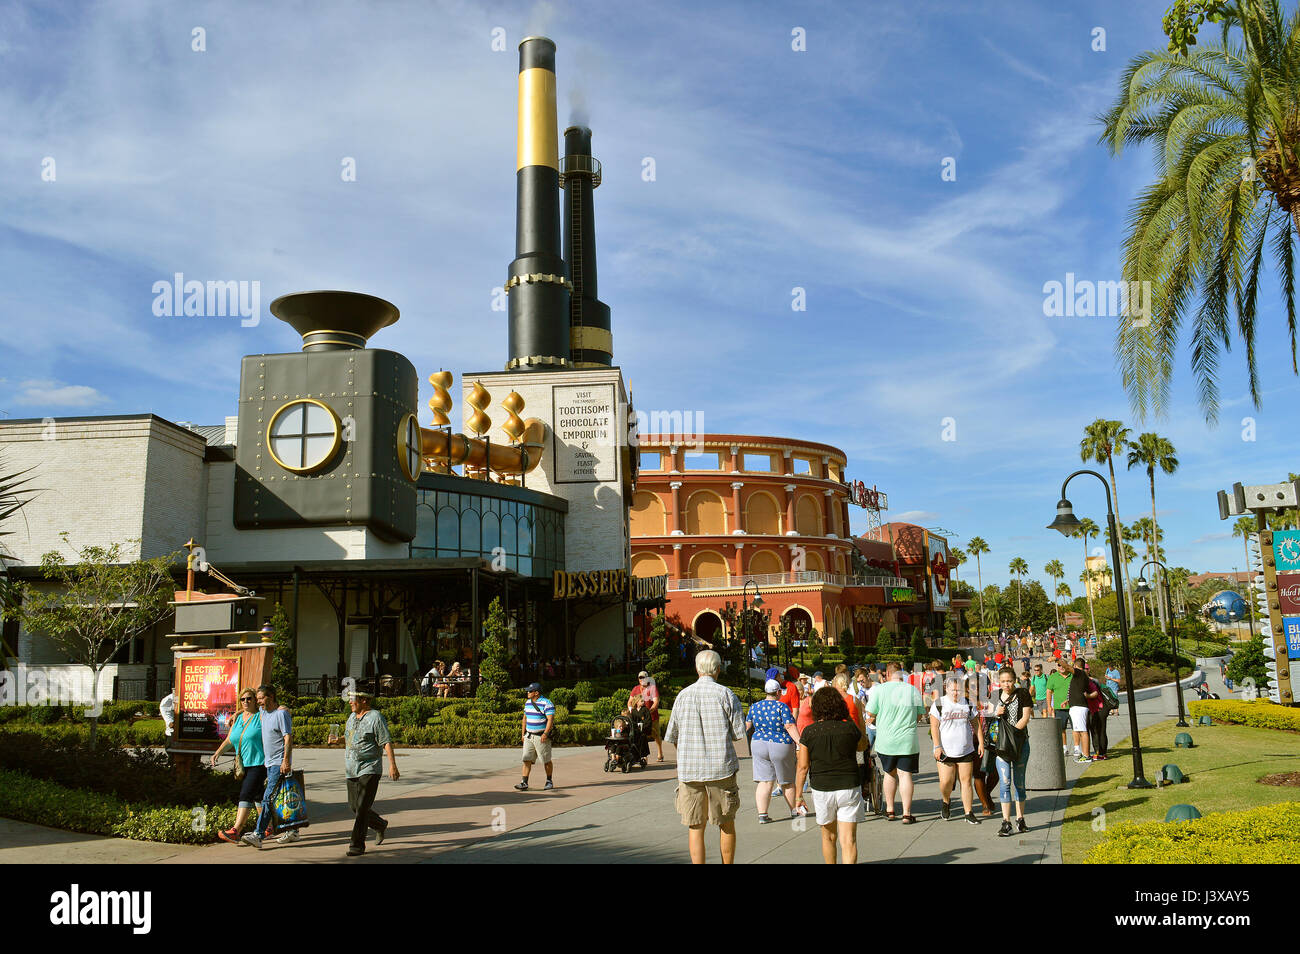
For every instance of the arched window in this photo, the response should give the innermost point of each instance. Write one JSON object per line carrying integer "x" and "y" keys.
{"x": 525, "y": 547}
{"x": 762, "y": 515}
{"x": 426, "y": 530}
{"x": 646, "y": 515}
{"x": 510, "y": 542}
{"x": 705, "y": 514}
{"x": 491, "y": 532}
{"x": 708, "y": 565}
{"x": 807, "y": 516}
{"x": 765, "y": 561}
{"x": 448, "y": 532}
{"x": 469, "y": 532}
{"x": 648, "y": 564}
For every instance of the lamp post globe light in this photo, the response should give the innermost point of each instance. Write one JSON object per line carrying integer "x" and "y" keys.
{"x": 1068, "y": 523}
{"x": 1144, "y": 589}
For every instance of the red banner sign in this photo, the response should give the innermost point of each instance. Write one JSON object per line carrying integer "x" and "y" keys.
{"x": 1288, "y": 593}
{"x": 207, "y": 693}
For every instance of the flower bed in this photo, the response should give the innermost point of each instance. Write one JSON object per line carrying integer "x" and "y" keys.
{"x": 1260, "y": 713}
{"x": 1263, "y": 835}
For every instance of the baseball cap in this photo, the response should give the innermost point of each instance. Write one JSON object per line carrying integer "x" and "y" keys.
{"x": 534, "y": 687}
{"x": 356, "y": 694}
{"x": 643, "y": 674}
{"x": 818, "y": 675}
{"x": 771, "y": 686}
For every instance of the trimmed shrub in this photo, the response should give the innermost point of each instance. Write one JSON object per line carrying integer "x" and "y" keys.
{"x": 564, "y": 697}
{"x": 1261, "y": 713}
{"x": 43, "y": 802}
{"x": 585, "y": 691}
{"x": 604, "y": 710}
{"x": 1263, "y": 835}
{"x": 143, "y": 776}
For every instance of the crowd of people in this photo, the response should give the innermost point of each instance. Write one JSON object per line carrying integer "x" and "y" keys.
{"x": 817, "y": 744}
{"x": 806, "y": 734}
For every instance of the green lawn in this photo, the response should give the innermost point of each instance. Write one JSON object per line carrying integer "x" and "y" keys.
{"x": 1221, "y": 770}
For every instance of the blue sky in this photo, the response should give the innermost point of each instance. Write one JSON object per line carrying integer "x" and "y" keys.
{"x": 774, "y": 169}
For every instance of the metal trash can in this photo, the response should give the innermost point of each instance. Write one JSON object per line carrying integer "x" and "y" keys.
{"x": 1046, "y": 768}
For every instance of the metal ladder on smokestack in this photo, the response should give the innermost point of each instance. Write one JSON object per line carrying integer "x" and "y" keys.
{"x": 575, "y": 197}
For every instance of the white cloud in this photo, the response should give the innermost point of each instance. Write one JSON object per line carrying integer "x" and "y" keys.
{"x": 54, "y": 394}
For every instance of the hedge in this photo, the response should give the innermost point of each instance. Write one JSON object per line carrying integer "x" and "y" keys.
{"x": 42, "y": 802}
{"x": 1260, "y": 713}
{"x": 112, "y": 712}
{"x": 1263, "y": 835}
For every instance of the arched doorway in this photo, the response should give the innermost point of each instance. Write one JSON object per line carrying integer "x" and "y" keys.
{"x": 708, "y": 627}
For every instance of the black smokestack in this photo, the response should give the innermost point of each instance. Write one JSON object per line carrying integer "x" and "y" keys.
{"x": 590, "y": 342}
{"x": 537, "y": 284}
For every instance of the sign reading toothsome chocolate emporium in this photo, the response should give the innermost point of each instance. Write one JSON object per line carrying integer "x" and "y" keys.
{"x": 585, "y": 427}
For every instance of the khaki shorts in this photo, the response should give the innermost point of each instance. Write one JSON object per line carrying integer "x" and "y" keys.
{"x": 535, "y": 750}
{"x": 716, "y": 801}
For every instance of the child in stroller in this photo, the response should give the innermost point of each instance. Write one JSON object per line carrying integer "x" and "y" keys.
{"x": 628, "y": 741}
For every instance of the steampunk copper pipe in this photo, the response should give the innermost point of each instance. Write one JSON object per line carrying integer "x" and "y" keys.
{"x": 454, "y": 449}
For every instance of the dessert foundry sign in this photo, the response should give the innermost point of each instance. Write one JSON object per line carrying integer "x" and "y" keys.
{"x": 585, "y": 428}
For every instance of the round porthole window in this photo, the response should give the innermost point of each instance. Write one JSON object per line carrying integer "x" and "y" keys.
{"x": 304, "y": 436}
{"x": 408, "y": 447}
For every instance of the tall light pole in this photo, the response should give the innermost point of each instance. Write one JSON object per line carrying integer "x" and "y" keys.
{"x": 1067, "y": 523}
{"x": 1143, "y": 588}
{"x": 744, "y": 615}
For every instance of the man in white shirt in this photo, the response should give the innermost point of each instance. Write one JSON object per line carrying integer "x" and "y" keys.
{"x": 167, "y": 709}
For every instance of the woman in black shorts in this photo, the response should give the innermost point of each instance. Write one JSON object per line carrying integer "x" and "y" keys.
{"x": 958, "y": 745}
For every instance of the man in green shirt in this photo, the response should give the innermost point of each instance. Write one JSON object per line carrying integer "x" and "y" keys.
{"x": 366, "y": 741}
{"x": 1039, "y": 683}
{"x": 893, "y": 708}
{"x": 1058, "y": 698}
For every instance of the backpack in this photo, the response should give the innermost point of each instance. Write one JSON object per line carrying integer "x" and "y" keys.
{"x": 1109, "y": 698}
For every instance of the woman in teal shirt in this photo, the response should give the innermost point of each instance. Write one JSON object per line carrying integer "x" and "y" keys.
{"x": 245, "y": 737}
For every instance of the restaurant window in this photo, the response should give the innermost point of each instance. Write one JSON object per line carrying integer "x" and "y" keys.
{"x": 448, "y": 533}
{"x": 469, "y": 533}
{"x": 510, "y": 542}
{"x": 491, "y": 532}
{"x": 525, "y": 547}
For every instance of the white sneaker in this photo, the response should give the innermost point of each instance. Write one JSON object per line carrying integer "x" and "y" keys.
{"x": 288, "y": 837}
{"x": 252, "y": 838}
{"x": 776, "y": 789}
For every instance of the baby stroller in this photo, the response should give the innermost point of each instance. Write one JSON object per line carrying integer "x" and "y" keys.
{"x": 628, "y": 741}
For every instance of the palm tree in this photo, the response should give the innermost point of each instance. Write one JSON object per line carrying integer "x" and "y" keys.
{"x": 15, "y": 494}
{"x": 1225, "y": 124}
{"x": 1243, "y": 528}
{"x": 957, "y": 557}
{"x": 1018, "y": 566}
{"x": 975, "y": 546}
{"x": 1056, "y": 570}
{"x": 1102, "y": 441}
{"x": 1087, "y": 529}
{"x": 1152, "y": 451}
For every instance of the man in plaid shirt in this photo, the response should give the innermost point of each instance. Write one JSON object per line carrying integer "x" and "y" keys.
{"x": 706, "y": 719}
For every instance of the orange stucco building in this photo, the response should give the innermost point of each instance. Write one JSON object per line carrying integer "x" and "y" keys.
{"x": 725, "y": 510}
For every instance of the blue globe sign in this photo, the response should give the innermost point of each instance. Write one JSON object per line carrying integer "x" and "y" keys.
{"x": 1226, "y": 606}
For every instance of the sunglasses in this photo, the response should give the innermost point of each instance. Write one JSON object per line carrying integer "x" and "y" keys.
{"x": 249, "y": 698}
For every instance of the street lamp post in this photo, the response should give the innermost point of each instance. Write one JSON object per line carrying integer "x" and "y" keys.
{"x": 1067, "y": 523}
{"x": 744, "y": 615}
{"x": 1143, "y": 588}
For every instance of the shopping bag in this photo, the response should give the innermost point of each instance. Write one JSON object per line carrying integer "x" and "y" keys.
{"x": 289, "y": 807}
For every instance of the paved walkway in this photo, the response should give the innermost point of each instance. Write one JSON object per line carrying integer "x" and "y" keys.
{"x": 459, "y": 806}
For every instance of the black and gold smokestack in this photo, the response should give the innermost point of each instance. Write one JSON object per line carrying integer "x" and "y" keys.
{"x": 537, "y": 284}
{"x": 590, "y": 343}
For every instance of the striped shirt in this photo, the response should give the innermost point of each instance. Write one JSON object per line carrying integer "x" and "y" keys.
{"x": 535, "y": 714}
{"x": 706, "y": 719}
